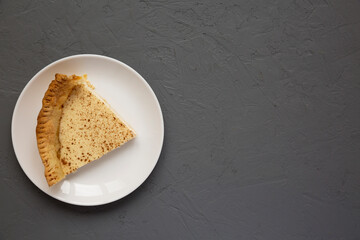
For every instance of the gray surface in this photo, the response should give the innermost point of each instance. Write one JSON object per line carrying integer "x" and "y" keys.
{"x": 261, "y": 105}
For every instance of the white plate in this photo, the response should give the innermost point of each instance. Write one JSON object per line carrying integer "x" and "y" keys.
{"x": 121, "y": 171}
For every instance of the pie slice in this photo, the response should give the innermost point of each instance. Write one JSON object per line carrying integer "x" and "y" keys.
{"x": 76, "y": 126}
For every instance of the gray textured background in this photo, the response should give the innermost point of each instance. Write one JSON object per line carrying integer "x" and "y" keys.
{"x": 261, "y": 105}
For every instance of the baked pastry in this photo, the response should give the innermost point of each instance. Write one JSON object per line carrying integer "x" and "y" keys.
{"x": 76, "y": 126}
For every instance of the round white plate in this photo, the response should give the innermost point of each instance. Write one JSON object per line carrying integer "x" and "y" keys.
{"x": 119, "y": 172}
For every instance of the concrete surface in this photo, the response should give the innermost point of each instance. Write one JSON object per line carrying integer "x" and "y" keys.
{"x": 261, "y": 105}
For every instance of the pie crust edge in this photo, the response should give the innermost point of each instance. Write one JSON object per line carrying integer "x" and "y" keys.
{"x": 48, "y": 122}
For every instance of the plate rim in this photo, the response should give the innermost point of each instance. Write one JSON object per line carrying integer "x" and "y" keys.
{"x": 78, "y": 203}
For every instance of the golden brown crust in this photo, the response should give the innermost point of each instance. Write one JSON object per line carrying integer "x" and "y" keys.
{"x": 47, "y": 128}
